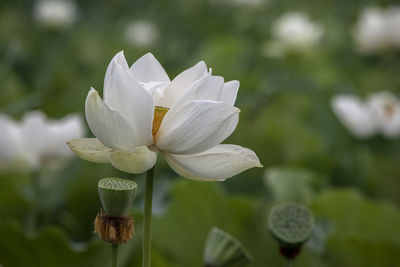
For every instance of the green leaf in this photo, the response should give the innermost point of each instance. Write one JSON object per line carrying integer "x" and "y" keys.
{"x": 48, "y": 248}
{"x": 353, "y": 214}
{"x": 365, "y": 232}
{"x": 13, "y": 204}
{"x": 290, "y": 184}
{"x": 196, "y": 208}
{"x": 349, "y": 250}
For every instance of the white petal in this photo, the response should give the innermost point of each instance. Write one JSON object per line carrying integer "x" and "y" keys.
{"x": 196, "y": 127}
{"x": 9, "y": 140}
{"x": 125, "y": 95}
{"x": 182, "y": 82}
{"x": 229, "y": 92}
{"x": 386, "y": 110}
{"x": 389, "y": 120}
{"x": 380, "y": 102}
{"x": 90, "y": 149}
{"x": 60, "y": 132}
{"x": 136, "y": 161}
{"x": 14, "y": 155}
{"x": 206, "y": 88}
{"x": 148, "y": 69}
{"x": 117, "y": 61}
{"x": 155, "y": 89}
{"x": 391, "y": 128}
{"x": 43, "y": 140}
{"x": 355, "y": 115}
{"x": 108, "y": 125}
{"x": 35, "y": 134}
{"x": 215, "y": 164}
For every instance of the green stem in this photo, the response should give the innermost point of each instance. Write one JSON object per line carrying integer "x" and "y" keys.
{"x": 147, "y": 218}
{"x": 35, "y": 191}
{"x": 114, "y": 257}
{"x": 289, "y": 263}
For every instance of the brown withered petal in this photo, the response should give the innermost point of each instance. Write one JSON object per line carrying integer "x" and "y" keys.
{"x": 115, "y": 230}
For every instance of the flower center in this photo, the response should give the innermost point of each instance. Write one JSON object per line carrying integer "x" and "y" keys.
{"x": 389, "y": 110}
{"x": 159, "y": 113}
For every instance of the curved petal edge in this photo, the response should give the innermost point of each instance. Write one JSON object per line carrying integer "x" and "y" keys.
{"x": 196, "y": 127}
{"x": 356, "y": 116}
{"x": 110, "y": 127}
{"x": 148, "y": 69}
{"x": 216, "y": 164}
{"x": 136, "y": 161}
{"x": 90, "y": 149}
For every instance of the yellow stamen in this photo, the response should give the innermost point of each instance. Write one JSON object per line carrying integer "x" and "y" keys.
{"x": 159, "y": 113}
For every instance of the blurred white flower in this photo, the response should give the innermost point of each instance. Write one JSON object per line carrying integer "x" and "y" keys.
{"x": 55, "y": 13}
{"x": 386, "y": 109}
{"x": 379, "y": 114}
{"x": 293, "y": 32}
{"x": 378, "y": 29}
{"x": 185, "y": 119}
{"x": 249, "y": 3}
{"x": 141, "y": 33}
{"x": 36, "y": 141}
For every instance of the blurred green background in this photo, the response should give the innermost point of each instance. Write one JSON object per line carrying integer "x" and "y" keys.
{"x": 352, "y": 185}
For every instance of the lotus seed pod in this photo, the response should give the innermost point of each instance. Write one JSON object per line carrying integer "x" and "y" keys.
{"x": 116, "y": 195}
{"x": 290, "y": 224}
{"x": 222, "y": 250}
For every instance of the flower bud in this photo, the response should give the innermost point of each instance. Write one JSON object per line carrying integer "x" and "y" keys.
{"x": 291, "y": 225}
{"x": 222, "y": 250}
{"x": 116, "y": 195}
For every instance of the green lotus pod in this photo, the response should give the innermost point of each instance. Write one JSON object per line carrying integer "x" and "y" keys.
{"x": 223, "y": 250}
{"x": 116, "y": 195}
{"x": 290, "y": 224}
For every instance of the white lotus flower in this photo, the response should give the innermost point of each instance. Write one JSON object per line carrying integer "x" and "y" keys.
{"x": 55, "y": 12}
{"x": 141, "y": 33}
{"x": 293, "y": 32}
{"x": 185, "y": 119}
{"x": 386, "y": 109}
{"x": 36, "y": 141}
{"x": 379, "y": 114}
{"x": 378, "y": 29}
